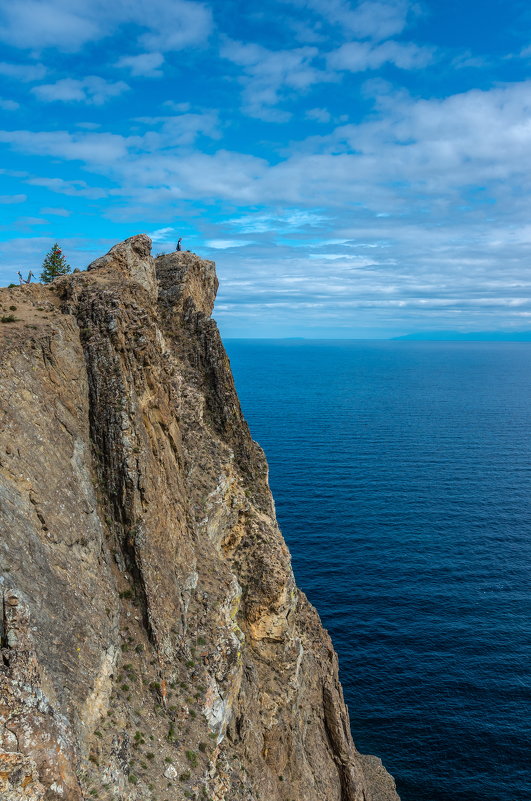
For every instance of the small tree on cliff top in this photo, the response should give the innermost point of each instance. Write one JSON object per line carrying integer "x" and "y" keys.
{"x": 53, "y": 265}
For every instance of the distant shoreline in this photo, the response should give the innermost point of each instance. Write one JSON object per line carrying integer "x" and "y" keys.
{"x": 432, "y": 336}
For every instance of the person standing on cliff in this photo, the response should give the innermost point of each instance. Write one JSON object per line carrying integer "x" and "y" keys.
{"x": 179, "y": 248}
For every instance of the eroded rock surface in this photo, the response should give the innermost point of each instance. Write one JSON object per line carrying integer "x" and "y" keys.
{"x": 153, "y": 642}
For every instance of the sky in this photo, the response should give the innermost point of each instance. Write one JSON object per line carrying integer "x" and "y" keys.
{"x": 355, "y": 169}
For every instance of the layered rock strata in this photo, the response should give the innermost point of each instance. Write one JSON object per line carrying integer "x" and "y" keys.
{"x": 154, "y": 644}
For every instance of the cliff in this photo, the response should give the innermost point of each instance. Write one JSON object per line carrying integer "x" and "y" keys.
{"x": 154, "y": 644}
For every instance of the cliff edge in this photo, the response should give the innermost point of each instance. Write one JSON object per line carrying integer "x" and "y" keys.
{"x": 153, "y": 642}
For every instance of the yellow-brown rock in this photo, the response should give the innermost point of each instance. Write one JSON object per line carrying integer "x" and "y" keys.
{"x": 154, "y": 644}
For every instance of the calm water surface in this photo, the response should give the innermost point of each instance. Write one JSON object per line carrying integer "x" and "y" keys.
{"x": 402, "y": 478}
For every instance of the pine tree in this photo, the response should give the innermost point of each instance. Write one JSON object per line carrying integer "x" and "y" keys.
{"x": 53, "y": 265}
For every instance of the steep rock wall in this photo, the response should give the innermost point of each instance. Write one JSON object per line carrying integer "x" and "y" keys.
{"x": 154, "y": 644}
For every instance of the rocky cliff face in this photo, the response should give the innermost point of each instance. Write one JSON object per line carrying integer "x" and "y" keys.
{"x": 153, "y": 642}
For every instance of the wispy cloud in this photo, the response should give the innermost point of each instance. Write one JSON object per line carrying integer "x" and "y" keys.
{"x": 8, "y": 200}
{"x": 146, "y": 65}
{"x": 22, "y": 72}
{"x": 9, "y": 105}
{"x": 361, "y": 56}
{"x": 180, "y": 129}
{"x": 271, "y": 75}
{"x": 318, "y": 114}
{"x": 161, "y": 25}
{"x": 162, "y": 235}
{"x": 284, "y": 220}
{"x": 29, "y": 222}
{"x": 371, "y": 19}
{"x": 226, "y": 244}
{"x": 93, "y": 148}
{"x": 72, "y": 188}
{"x": 91, "y": 90}
{"x": 56, "y": 211}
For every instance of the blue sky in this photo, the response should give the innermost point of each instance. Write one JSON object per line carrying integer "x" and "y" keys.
{"x": 355, "y": 169}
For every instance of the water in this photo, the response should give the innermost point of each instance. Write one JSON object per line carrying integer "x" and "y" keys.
{"x": 402, "y": 478}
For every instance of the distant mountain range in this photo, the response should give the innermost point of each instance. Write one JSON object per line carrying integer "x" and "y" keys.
{"x": 470, "y": 336}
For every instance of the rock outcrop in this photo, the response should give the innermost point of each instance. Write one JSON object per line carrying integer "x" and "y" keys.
{"x": 153, "y": 642}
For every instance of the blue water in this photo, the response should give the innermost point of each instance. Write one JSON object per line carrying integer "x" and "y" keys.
{"x": 402, "y": 478}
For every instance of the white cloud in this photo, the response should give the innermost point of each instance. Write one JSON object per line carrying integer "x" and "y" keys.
{"x": 180, "y": 24}
{"x": 8, "y": 200}
{"x": 56, "y": 212}
{"x": 72, "y": 188}
{"x": 22, "y": 72}
{"x": 357, "y": 261}
{"x": 424, "y": 287}
{"x": 13, "y": 173}
{"x": 225, "y": 244}
{"x": 29, "y": 222}
{"x": 413, "y": 155}
{"x": 360, "y": 56}
{"x": 180, "y": 107}
{"x": 272, "y": 75}
{"x": 145, "y": 65}
{"x": 377, "y": 20}
{"x": 284, "y": 221}
{"x": 162, "y": 235}
{"x": 8, "y": 105}
{"x": 471, "y": 138}
{"x": 93, "y": 148}
{"x": 411, "y": 152}
{"x": 68, "y": 25}
{"x": 318, "y": 114}
{"x": 371, "y": 19}
{"x": 92, "y": 90}
{"x": 180, "y": 129}
{"x": 466, "y": 60}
